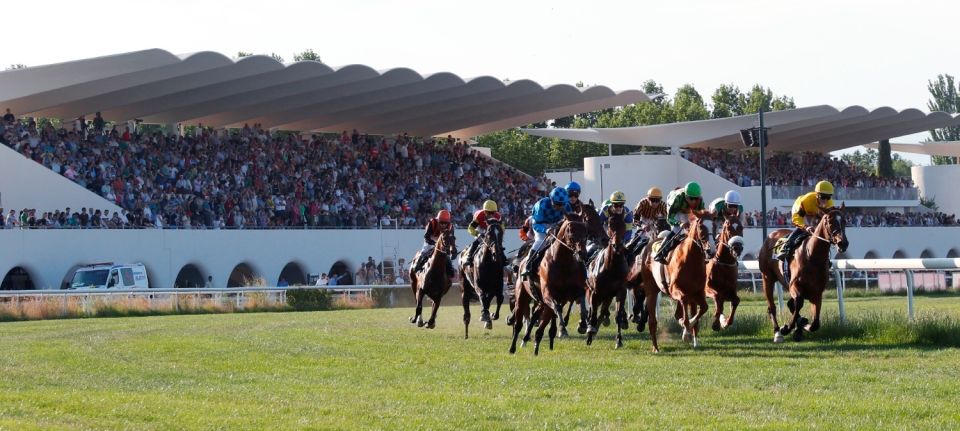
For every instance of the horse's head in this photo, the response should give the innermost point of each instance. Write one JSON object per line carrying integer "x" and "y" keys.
{"x": 833, "y": 225}
{"x": 447, "y": 243}
{"x": 697, "y": 230}
{"x": 573, "y": 235}
{"x": 616, "y": 227}
{"x": 731, "y": 235}
{"x": 494, "y": 233}
{"x": 589, "y": 216}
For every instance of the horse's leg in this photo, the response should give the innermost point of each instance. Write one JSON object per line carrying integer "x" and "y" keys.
{"x": 636, "y": 311}
{"x": 520, "y": 314}
{"x": 797, "y": 319}
{"x": 685, "y": 319}
{"x": 768, "y": 287}
{"x": 591, "y": 297}
{"x": 644, "y": 315}
{"x": 650, "y": 303}
{"x": 418, "y": 311}
{"x": 546, "y": 315}
{"x": 432, "y": 323}
{"x": 815, "y": 312}
{"x": 553, "y": 331}
{"x": 718, "y": 313}
{"x": 701, "y": 311}
{"x": 791, "y": 304}
{"x": 465, "y": 300}
{"x": 499, "y": 296}
{"x": 734, "y": 302}
{"x": 485, "y": 300}
{"x": 622, "y": 322}
{"x": 530, "y": 324}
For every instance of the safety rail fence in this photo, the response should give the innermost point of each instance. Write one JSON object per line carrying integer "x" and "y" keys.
{"x": 887, "y": 275}
{"x": 852, "y": 193}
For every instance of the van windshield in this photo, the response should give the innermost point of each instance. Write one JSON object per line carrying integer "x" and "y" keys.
{"x": 92, "y": 278}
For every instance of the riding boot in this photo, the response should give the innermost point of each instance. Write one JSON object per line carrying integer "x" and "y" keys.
{"x": 786, "y": 272}
{"x": 473, "y": 251}
{"x": 665, "y": 248}
{"x": 788, "y": 246}
{"x": 533, "y": 261}
{"x": 422, "y": 260}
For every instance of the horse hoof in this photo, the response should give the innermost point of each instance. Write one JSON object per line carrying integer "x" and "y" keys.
{"x": 523, "y": 344}
{"x": 513, "y": 350}
{"x": 564, "y": 333}
{"x": 496, "y": 316}
{"x": 716, "y": 326}
{"x": 419, "y": 323}
{"x": 785, "y": 330}
{"x": 723, "y": 321}
{"x": 413, "y": 319}
{"x": 635, "y": 318}
{"x": 582, "y": 328}
{"x": 803, "y": 322}
{"x": 639, "y": 327}
{"x": 686, "y": 336}
{"x": 488, "y": 325}
{"x": 656, "y": 350}
{"x": 778, "y": 338}
{"x": 619, "y": 345}
{"x": 431, "y": 324}
{"x": 606, "y": 321}
{"x": 509, "y": 320}
{"x": 696, "y": 343}
{"x": 589, "y": 340}
{"x": 798, "y": 336}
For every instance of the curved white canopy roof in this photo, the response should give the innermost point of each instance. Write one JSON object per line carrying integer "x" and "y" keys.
{"x": 817, "y": 128}
{"x": 937, "y": 148}
{"x": 214, "y": 90}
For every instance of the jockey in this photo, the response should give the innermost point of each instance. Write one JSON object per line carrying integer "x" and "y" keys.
{"x": 648, "y": 210}
{"x": 728, "y": 205}
{"x": 436, "y": 227}
{"x": 573, "y": 192}
{"x": 680, "y": 203}
{"x": 547, "y": 212}
{"x": 478, "y": 226}
{"x": 616, "y": 205}
{"x": 806, "y": 209}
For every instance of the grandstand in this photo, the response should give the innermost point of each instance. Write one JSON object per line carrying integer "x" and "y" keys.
{"x": 257, "y": 170}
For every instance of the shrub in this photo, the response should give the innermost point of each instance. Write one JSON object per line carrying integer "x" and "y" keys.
{"x": 308, "y": 299}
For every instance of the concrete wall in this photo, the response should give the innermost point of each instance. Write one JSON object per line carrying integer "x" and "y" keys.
{"x": 940, "y": 184}
{"x": 28, "y": 184}
{"x": 48, "y": 255}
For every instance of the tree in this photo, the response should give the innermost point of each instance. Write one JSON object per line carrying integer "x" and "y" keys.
{"x": 16, "y": 66}
{"x": 726, "y": 101}
{"x": 688, "y": 105}
{"x": 944, "y": 97}
{"x": 884, "y": 162}
{"x": 241, "y": 54}
{"x": 900, "y": 167}
{"x": 307, "y": 54}
{"x": 863, "y": 161}
{"x": 276, "y": 57}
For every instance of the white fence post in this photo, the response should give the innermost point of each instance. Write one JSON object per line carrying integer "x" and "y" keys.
{"x": 909, "y": 294}
{"x": 841, "y": 286}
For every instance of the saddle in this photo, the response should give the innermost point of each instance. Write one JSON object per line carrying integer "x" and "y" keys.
{"x": 778, "y": 246}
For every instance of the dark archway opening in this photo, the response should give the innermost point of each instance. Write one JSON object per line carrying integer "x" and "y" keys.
{"x": 927, "y": 254}
{"x": 17, "y": 279}
{"x": 243, "y": 275}
{"x": 871, "y": 255}
{"x": 190, "y": 276}
{"x": 900, "y": 254}
{"x": 953, "y": 253}
{"x": 340, "y": 272}
{"x": 293, "y": 274}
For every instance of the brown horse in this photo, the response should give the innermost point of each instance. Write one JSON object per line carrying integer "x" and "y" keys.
{"x": 562, "y": 277}
{"x": 596, "y": 235}
{"x": 645, "y": 291}
{"x": 606, "y": 280}
{"x": 684, "y": 278}
{"x": 484, "y": 280}
{"x": 810, "y": 267}
{"x": 722, "y": 271}
{"x": 433, "y": 281}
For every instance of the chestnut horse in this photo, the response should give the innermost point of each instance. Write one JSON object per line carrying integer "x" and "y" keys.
{"x": 432, "y": 281}
{"x": 483, "y": 280}
{"x": 684, "y": 277}
{"x": 562, "y": 277}
{"x": 606, "y": 280}
{"x": 810, "y": 269}
{"x": 723, "y": 270}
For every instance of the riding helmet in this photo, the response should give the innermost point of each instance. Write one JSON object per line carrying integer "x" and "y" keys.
{"x": 732, "y": 197}
{"x": 824, "y": 187}
{"x": 692, "y": 190}
{"x": 489, "y": 205}
{"x": 559, "y": 196}
{"x": 654, "y": 192}
{"x": 618, "y": 197}
{"x": 443, "y": 216}
{"x": 573, "y": 186}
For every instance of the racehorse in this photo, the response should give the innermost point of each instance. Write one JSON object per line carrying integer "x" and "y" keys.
{"x": 596, "y": 235}
{"x": 483, "y": 280}
{"x": 722, "y": 271}
{"x": 810, "y": 267}
{"x": 638, "y": 313}
{"x": 433, "y": 280}
{"x": 684, "y": 278}
{"x": 562, "y": 277}
{"x": 641, "y": 281}
{"x": 606, "y": 280}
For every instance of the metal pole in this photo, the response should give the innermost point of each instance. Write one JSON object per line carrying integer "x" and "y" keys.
{"x": 601, "y": 182}
{"x": 610, "y": 149}
{"x": 763, "y": 178}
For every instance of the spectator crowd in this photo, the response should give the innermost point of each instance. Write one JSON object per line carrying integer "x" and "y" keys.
{"x": 252, "y": 178}
{"x": 788, "y": 169}
{"x": 862, "y": 217}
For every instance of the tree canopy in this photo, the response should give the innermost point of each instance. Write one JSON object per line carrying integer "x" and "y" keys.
{"x": 944, "y": 97}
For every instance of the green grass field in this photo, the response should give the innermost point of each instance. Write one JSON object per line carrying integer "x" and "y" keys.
{"x": 370, "y": 369}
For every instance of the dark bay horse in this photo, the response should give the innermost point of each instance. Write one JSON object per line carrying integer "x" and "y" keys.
{"x": 483, "y": 280}
{"x": 606, "y": 280}
{"x": 561, "y": 279}
{"x": 432, "y": 281}
{"x": 595, "y": 234}
{"x": 722, "y": 272}
{"x": 810, "y": 269}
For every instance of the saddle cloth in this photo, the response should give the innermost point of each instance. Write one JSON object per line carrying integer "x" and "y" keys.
{"x": 778, "y": 246}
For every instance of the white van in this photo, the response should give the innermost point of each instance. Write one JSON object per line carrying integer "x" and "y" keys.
{"x": 110, "y": 276}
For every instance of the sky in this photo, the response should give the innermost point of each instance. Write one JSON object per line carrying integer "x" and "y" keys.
{"x": 851, "y": 52}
